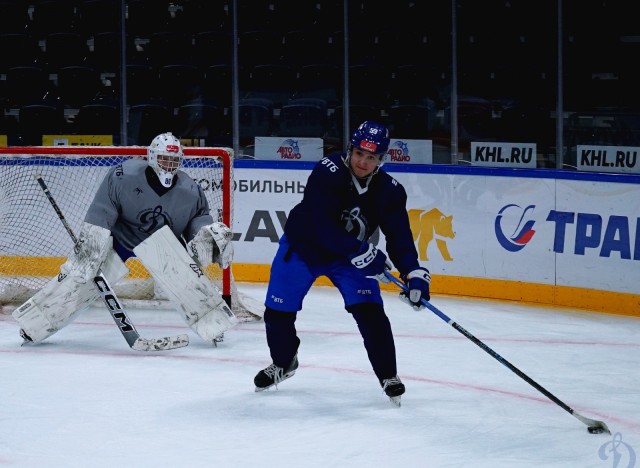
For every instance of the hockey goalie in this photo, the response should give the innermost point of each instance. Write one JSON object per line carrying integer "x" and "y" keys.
{"x": 154, "y": 211}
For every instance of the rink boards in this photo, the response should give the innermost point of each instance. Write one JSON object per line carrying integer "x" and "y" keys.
{"x": 549, "y": 237}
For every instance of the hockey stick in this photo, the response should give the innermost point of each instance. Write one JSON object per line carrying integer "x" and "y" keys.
{"x": 111, "y": 301}
{"x": 593, "y": 426}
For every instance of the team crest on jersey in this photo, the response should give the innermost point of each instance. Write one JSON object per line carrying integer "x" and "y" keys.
{"x": 153, "y": 219}
{"x": 355, "y": 223}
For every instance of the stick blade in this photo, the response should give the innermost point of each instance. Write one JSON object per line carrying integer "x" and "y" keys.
{"x": 593, "y": 426}
{"x": 160, "y": 344}
{"x": 598, "y": 428}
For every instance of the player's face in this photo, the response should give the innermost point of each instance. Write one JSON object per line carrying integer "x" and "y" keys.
{"x": 363, "y": 162}
{"x": 168, "y": 163}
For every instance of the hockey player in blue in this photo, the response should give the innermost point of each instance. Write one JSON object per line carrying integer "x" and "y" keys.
{"x": 346, "y": 199}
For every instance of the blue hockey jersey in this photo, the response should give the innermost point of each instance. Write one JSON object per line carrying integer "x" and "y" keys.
{"x": 334, "y": 218}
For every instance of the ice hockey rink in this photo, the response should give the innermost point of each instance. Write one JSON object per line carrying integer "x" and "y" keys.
{"x": 83, "y": 398}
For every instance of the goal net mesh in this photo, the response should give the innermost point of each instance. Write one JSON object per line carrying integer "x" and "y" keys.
{"x": 34, "y": 242}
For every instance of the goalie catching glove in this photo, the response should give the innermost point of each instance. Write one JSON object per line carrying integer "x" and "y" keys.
{"x": 92, "y": 248}
{"x": 213, "y": 244}
{"x": 418, "y": 282}
{"x": 372, "y": 262}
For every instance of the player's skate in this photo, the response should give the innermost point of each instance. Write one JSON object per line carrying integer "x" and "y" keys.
{"x": 273, "y": 375}
{"x": 393, "y": 388}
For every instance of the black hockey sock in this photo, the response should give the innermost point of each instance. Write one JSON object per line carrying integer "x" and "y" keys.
{"x": 376, "y": 332}
{"x": 281, "y": 336}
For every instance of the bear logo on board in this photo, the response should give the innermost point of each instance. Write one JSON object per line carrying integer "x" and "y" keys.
{"x": 429, "y": 225}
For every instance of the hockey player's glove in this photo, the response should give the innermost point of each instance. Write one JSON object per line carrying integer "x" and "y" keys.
{"x": 417, "y": 282}
{"x": 372, "y": 262}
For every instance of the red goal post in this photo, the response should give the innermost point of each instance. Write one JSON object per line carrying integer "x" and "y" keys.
{"x": 33, "y": 241}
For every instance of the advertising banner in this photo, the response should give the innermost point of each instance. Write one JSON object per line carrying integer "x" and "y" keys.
{"x": 288, "y": 148}
{"x": 410, "y": 152}
{"x": 481, "y": 226}
{"x": 493, "y": 154}
{"x": 534, "y": 230}
{"x": 621, "y": 159}
{"x": 263, "y": 200}
{"x": 597, "y": 235}
{"x": 77, "y": 140}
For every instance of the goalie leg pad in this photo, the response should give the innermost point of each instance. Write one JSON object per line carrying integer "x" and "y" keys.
{"x": 58, "y": 303}
{"x": 54, "y": 307}
{"x": 184, "y": 283}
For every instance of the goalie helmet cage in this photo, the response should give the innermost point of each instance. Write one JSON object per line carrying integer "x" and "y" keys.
{"x": 34, "y": 243}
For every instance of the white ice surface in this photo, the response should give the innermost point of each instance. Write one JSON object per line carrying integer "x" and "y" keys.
{"x": 84, "y": 399}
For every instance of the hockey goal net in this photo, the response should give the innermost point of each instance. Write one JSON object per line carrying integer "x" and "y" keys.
{"x": 34, "y": 242}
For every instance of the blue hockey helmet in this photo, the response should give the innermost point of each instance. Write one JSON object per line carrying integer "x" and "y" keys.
{"x": 371, "y": 136}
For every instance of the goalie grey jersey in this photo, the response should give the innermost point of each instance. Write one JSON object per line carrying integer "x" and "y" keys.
{"x": 132, "y": 204}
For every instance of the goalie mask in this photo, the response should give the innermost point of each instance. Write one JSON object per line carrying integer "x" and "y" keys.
{"x": 372, "y": 137}
{"x": 165, "y": 156}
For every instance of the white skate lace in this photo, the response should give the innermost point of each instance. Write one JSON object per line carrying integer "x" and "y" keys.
{"x": 275, "y": 373}
{"x": 388, "y": 382}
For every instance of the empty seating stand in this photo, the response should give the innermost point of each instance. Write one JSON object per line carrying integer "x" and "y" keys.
{"x": 306, "y": 117}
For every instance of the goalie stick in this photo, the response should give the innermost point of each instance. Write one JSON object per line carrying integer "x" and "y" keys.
{"x": 593, "y": 426}
{"x": 119, "y": 314}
